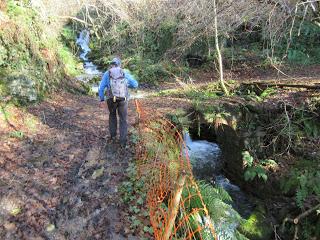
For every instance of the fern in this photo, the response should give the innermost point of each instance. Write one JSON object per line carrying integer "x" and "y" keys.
{"x": 224, "y": 217}
{"x": 305, "y": 183}
{"x": 301, "y": 195}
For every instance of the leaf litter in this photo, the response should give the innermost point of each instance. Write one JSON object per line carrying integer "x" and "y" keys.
{"x": 61, "y": 182}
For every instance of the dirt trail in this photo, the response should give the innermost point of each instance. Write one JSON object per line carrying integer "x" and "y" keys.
{"x": 62, "y": 182}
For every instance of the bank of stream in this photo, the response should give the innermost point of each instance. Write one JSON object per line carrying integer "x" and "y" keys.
{"x": 270, "y": 150}
{"x": 217, "y": 157}
{"x": 207, "y": 162}
{"x": 206, "y": 156}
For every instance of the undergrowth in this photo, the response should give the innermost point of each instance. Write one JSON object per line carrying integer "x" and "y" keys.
{"x": 32, "y": 61}
{"x": 134, "y": 195}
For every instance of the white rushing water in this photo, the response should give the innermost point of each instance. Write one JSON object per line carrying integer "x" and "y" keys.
{"x": 90, "y": 69}
{"x": 207, "y": 164}
{"x": 83, "y": 41}
{"x": 203, "y": 155}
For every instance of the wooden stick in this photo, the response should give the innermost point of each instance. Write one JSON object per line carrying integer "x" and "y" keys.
{"x": 297, "y": 219}
{"x": 174, "y": 206}
{"x": 75, "y": 19}
{"x": 304, "y": 214}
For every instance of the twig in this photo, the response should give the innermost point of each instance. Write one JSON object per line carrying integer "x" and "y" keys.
{"x": 297, "y": 219}
{"x": 282, "y": 85}
{"x": 304, "y": 214}
{"x": 304, "y": 16}
{"x": 175, "y": 206}
{"x": 44, "y": 118}
{"x": 289, "y": 126}
{"x": 279, "y": 70}
{"x": 276, "y": 235}
{"x": 75, "y": 19}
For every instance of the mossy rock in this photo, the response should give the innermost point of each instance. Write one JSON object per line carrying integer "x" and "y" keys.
{"x": 22, "y": 88}
{"x": 257, "y": 226}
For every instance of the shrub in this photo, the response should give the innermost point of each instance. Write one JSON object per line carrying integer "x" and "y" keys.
{"x": 32, "y": 62}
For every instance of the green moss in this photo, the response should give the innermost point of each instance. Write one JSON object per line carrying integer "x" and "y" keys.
{"x": 15, "y": 9}
{"x": 29, "y": 50}
{"x": 180, "y": 119}
{"x": 256, "y": 227}
{"x": 69, "y": 60}
{"x": 68, "y": 36}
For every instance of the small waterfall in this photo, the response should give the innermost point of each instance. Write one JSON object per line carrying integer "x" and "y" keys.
{"x": 90, "y": 69}
{"x": 207, "y": 164}
{"x": 205, "y": 157}
{"x": 83, "y": 41}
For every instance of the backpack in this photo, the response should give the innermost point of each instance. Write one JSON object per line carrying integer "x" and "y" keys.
{"x": 118, "y": 84}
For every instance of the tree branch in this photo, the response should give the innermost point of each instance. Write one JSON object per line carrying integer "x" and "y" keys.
{"x": 74, "y": 18}
{"x": 297, "y": 219}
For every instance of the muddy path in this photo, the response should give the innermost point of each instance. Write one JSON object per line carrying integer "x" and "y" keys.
{"x": 62, "y": 181}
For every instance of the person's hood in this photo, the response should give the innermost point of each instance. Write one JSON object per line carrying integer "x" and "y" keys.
{"x": 116, "y": 61}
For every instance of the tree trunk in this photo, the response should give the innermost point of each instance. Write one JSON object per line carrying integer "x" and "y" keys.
{"x": 219, "y": 57}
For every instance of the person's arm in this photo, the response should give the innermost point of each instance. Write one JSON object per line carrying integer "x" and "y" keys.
{"x": 132, "y": 83}
{"x": 105, "y": 83}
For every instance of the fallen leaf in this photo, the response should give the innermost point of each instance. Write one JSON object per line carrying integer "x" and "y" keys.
{"x": 15, "y": 211}
{"x": 9, "y": 226}
{"x": 97, "y": 173}
{"x": 50, "y": 228}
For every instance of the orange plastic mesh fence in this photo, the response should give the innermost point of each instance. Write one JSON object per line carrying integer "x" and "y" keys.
{"x": 176, "y": 207}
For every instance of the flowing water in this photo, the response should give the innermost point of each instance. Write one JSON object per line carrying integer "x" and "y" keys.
{"x": 205, "y": 156}
{"x": 90, "y": 70}
{"x": 206, "y": 160}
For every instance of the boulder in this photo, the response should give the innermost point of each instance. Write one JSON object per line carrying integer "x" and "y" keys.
{"x": 22, "y": 88}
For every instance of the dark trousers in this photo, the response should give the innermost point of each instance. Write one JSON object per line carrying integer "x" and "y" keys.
{"x": 122, "y": 107}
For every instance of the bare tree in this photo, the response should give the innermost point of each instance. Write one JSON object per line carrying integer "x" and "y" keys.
{"x": 193, "y": 20}
{"x": 225, "y": 90}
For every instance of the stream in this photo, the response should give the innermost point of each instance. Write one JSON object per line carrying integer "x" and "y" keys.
{"x": 205, "y": 157}
{"x": 207, "y": 162}
{"x": 90, "y": 70}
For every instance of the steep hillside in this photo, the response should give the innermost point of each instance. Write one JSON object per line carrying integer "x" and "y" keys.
{"x": 33, "y": 58}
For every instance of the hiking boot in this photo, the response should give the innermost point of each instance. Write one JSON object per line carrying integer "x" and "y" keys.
{"x": 123, "y": 144}
{"x": 112, "y": 139}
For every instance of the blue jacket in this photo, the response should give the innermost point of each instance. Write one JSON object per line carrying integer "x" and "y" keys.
{"x": 105, "y": 83}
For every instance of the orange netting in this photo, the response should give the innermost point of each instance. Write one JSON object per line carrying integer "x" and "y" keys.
{"x": 176, "y": 207}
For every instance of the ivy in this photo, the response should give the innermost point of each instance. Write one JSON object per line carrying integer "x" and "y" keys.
{"x": 256, "y": 168}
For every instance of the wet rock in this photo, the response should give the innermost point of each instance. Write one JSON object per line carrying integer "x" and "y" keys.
{"x": 50, "y": 228}
{"x": 92, "y": 158}
{"x": 97, "y": 173}
{"x": 232, "y": 146}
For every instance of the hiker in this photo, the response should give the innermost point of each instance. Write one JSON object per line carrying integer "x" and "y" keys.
{"x": 117, "y": 82}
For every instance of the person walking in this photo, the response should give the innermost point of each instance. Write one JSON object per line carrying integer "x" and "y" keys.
{"x": 116, "y": 82}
